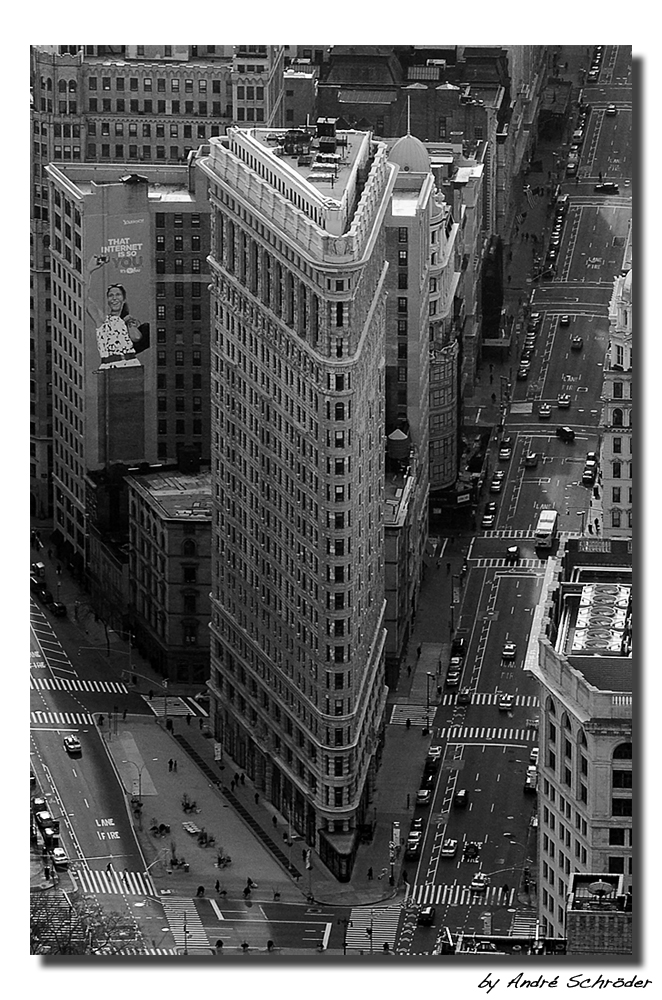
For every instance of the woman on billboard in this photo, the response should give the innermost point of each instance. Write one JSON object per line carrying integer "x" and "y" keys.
{"x": 120, "y": 338}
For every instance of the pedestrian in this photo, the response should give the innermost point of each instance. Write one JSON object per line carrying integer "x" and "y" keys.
{"x": 243, "y": 778}
{"x": 200, "y": 890}
{"x": 232, "y": 785}
{"x": 409, "y": 670}
{"x": 600, "y": 176}
{"x": 505, "y": 888}
{"x": 494, "y": 397}
{"x": 109, "y": 867}
{"x": 218, "y": 885}
{"x": 257, "y": 799}
{"x": 491, "y": 378}
{"x": 577, "y": 181}
{"x": 408, "y": 723}
{"x": 174, "y": 766}
{"x": 50, "y": 554}
{"x": 509, "y": 278}
{"x": 418, "y": 652}
{"x": 124, "y": 715}
{"x": 188, "y": 719}
{"x": 370, "y": 874}
{"x": 200, "y": 721}
{"x": 448, "y": 566}
{"x": 151, "y": 695}
{"x": 246, "y": 892}
{"x": 171, "y": 764}
{"x": 274, "y": 821}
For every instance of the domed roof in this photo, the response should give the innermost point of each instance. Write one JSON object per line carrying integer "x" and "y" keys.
{"x": 410, "y": 154}
{"x": 627, "y": 286}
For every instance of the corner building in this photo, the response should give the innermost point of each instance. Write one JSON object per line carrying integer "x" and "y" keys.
{"x": 298, "y": 267}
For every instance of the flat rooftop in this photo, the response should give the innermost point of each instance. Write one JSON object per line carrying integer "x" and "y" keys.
{"x": 596, "y": 633}
{"x": 177, "y": 495}
{"x": 327, "y": 166}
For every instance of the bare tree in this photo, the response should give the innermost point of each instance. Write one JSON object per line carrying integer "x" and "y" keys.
{"x": 61, "y": 925}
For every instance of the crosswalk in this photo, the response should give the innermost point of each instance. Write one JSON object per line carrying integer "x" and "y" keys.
{"x": 418, "y": 715}
{"x": 509, "y": 533}
{"x": 162, "y": 706}
{"x": 524, "y": 924}
{"x": 115, "y": 882}
{"x": 61, "y": 719}
{"x": 519, "y": 701}
{"x": 484, "y": 562}
{"x": 459, "y": 895}
{"x": 185, "y": 925}
{"x": 69, "y": 684}
{"x": 150, "y": 951}
{"x": 383, "y": 921}
{"x": 485, "y": 734}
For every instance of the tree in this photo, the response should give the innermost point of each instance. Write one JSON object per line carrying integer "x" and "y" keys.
{"x": 61, "y": 925}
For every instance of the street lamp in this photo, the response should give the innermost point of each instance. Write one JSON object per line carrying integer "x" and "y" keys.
{"x": 140, "y": 768}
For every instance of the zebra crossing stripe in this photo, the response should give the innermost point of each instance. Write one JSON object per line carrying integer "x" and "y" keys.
{"x": 523, "y": 924}
{"x": 383, "y": 921}
{"x": 69, "y": 684}
{"x": 61, "y": 718}
{"x": 457, "y": 895}
{"x": 115, "y": 882}
{"x": 180, "y": 913}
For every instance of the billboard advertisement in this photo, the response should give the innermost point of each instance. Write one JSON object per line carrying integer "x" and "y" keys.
{"x": 118, "y": 297}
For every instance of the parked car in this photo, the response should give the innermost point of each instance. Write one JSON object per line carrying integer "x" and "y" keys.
{"x": 60, "y": 857}
{"x": 544, "y": 411}
{"x": 459, "y": 643}
{"x": 565, "y": 434}
{"x": 435, "y": 754}
{"x": 531, "y": 460}
{"x": 563, "y": 401}
{"x": 506, "y": 449}
{"x": 58, "y": 609}
{"x": 522, "y": 373}
{"x": 571, "y": 168}
{"x": 564, "y": 320}
{"x": 45, "y": 596}
{"x": 413, "y": 847}
{"x": 512, "y": 554}
{"x": 576, "y": 344}
{"x": 453, "y": 679}
{"x": 578, "y": 135}
{"x": 533, "y": 756}
{"x": 423, "y": 796}
{"x": 497, "y": 482}
{"x": 449, "y": 849}
{"x": 606, "y": 187}
{"x": 35, "y": 584}
{"x": 489, "y": 515}
{"x": 589, "y": 474}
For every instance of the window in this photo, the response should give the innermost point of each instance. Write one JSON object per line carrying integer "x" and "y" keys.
{"x": 618, "y": 390}
{"x": 617, "y": 837}
{"x": 623, "y": 752}
{"x": 402, "y": 305}
{"x": 615, "y": 518}
{"x": 402, "y": 279}
{"x": 616, "y": 470}
{"x": 616, "y": 444}
{"x": 622, "y": 779}
{"x": 403, "y": 234}
{"x": 616, "y": 494}
{"x": 617, "y": 419}
{"x": 621, "y": 807}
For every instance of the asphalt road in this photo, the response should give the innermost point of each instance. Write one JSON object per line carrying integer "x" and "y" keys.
{"x": 486, "y": 751}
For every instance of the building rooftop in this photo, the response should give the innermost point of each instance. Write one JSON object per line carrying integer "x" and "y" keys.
{"x": 176, "y": 495}
{"x": 398, "y": 491}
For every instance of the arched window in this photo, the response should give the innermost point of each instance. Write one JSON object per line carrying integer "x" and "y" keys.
{"x": 617, "y": 419}
{"x": 582, "y": 738}
{"x": 340, "y": 411}
{"x": 73, "y": 86}
{"x": 62, "y": 86}
{"x": 189, "y": 547}
{"x": 566, "y": 722}
{"x": 622, "y": 752}
{"x": 550, "y": 707}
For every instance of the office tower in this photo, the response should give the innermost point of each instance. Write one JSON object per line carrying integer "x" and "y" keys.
{"x": 585, "y": 738}
{"x": 298, "y": 341}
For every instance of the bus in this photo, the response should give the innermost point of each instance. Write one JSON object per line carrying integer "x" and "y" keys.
{"x": 546, "y": 529}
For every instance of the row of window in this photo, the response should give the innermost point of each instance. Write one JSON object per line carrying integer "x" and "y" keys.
{"x": 135, "y": 152}
{"x": 177, "y": 288}
{"x": 178, "y": 310}
{"x": 162, "y": 358}
{"x": 215, "y": 110}
{"x": 147, "y": 84}
{"x": 178, "y": 243}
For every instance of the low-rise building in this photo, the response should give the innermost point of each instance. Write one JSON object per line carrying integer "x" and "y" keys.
{"x": 170, "y": 571}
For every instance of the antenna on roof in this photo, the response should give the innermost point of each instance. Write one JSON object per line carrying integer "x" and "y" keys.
{"x": 408, "y": 114}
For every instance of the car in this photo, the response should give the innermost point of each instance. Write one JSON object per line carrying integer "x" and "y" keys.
{"x": 44, "y": 819}
{"x": 512, "y": 553}
{"x": 606, "y": 187}
{"x": 578, "y": 135}
{"x": 449, "y": 849}
{"x": 464, "y": 696}
{"x": 530, "y": 783}
{"x": 459, "y": 643}
{"x": 529, "y": 342}
{"x": 455, "y": 664}
{"x": 533, "y": 756}
{"x": 526, "y": 357}
{"x": 522, "y": 373}
{"x": 461, "y": 798}
{"x": 592, "y": 456}
{"x": 544, "y": 411}
{"x": 563, "y": 401}
{"x": 72, "y": 744}
{"x": 412, "y": 848}
{"x": 426, "y": 916}
{"x": 589, "y": 474}
{"x": 532, "y": 771}
{"x": 35, "y": 584}
{"x": 555, "y": 241}
{"x": 60, "y": 857}
{"x": 497, "y": 484}
{"x": 488, "y": 520}
{"x": 509, "y": 650}
{"x": 531, "y": 460}
{"x": 535, "y": 318}
{"x": 58, "y": 609}
{"x": 593, "y": 75}
{"x": 423, "y": 797}
{"x": 611, "y": 110}
{"x": 564, "y": 320}
{"x": 479, "y": 882}
{"x": 505, "y": 703}
{"x": 565, "y": 434}
{"x": 506, "y": 449}
{"x": 416, "y": 826}
{"x": 552, "y": 254}
{"x": 471, "y": 850}
{"x": 435, "y": 754}
{"x": 45, "y": 596}
{"x": 38, "y": 804}
{"x": 429, "y": 779}
{"x": 571, "y": 168}
{"x": 453, "y": 679}
{"x": 576, "y": 344}
{"x": 33, "y": 779}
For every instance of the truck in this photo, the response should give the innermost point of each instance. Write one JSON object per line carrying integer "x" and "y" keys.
{"x": 546, "y": 529}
